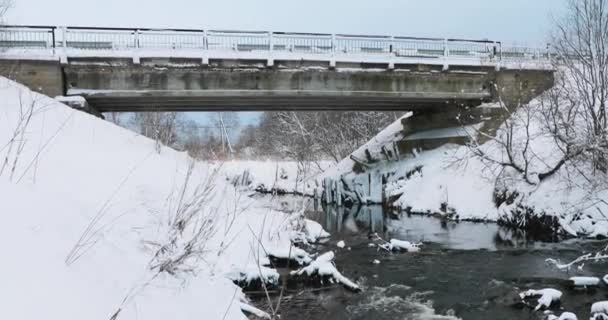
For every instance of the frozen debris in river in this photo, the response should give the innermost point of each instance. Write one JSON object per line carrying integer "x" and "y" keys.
{"x": 255, "y": 311}
{"x": 547, "y": 297}
{"x": 253, "y": 272}
{"x": 585, "y": 281}
{"x": 376, "y": 261}
{"x": 398, "y": 245}
{"x": 323, "y": 266}
{"x": 563, "y": 316}
{"x": 289, "y": 253}
{"x": 341, "y": 244}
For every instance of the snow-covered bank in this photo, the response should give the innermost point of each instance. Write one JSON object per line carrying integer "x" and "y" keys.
{"x": 461, "y": 182}
{"x": 283, "y": 177}
{"x": 98, "y": 225}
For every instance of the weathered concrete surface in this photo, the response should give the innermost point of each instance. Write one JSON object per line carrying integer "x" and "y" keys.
{"x": 42, "y": 76}
{"x": 182, "y": 89}
{"x": 173, "y": 85}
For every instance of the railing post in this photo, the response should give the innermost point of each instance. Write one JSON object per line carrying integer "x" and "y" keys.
{"x": 332, "y": 58}
{"x": 63, "y": 56}
{"x": 205, "y": 48}
{"x": 499, "y": 62}
{"x": 270, "y": 61}
{"x": 446, "y": 54}
{"x": 391, "y": 45}
{"x": 136, "y": 59}
{"x": 53, "y": 39}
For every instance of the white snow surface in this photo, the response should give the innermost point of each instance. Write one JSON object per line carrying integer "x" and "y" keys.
{"x": 86, "y": 207}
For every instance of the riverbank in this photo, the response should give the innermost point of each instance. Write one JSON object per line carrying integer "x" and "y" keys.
{"x": 100, "y": 225}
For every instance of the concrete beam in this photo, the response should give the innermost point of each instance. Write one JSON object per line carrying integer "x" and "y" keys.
{"x": 143, "y": 87}
{"x": 266, "y": 100}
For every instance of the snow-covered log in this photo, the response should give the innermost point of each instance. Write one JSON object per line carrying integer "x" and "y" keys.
{"x": 585, "y": 281}
{"x": 289, "y": 253}
{"x": 255, "y": 311}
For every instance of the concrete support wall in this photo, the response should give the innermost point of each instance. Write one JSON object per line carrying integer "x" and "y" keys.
{"x": 42, "y": 76}
{"x": 521, "y": 86}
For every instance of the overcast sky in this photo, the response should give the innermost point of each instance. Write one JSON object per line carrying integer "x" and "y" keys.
{"x": 520, "y": 21}
{"x": 523, "y": 22}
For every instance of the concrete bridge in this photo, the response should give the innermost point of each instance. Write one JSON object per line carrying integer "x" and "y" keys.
{"x": 121, "y": 69}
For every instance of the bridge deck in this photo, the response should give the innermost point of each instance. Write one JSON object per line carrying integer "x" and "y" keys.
{"x": 67, "y": 43}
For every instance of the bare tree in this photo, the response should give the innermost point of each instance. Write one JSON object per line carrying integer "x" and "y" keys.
{"x": 570, "y": 117}
{"x": 310, "y": 136}
{"x": 160, "y": 126}
{"x": 581, "y": 48}
{"x": 5, "y": 5}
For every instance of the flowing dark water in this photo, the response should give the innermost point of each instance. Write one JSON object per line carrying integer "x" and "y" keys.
{"x": 464, "y": 270}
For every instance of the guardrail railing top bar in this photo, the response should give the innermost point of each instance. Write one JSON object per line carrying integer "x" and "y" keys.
{"x": 84, "y": 28}
{"x": 302, "y": 33}
{"x": 107, "y": 38}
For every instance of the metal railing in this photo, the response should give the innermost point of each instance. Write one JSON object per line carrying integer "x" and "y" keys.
{"x": 100, "y": 39}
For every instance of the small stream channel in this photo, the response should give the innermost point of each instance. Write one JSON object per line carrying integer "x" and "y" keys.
{"x": 465, "y": 270}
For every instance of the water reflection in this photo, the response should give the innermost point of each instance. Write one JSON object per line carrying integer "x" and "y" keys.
{"x": 365, "y": 220}
{"x": 339, "y": 220}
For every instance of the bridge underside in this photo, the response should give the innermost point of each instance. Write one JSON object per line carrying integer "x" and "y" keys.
{"x": 115, "y": 86}
{"x": 237, "y": 100}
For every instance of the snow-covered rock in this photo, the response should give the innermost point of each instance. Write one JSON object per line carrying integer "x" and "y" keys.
{"x": 323, "y": 266}
{"x": 599, "y": 310}
{"x": 563, "y": 316}
{"x": 314, "y": 231}
{"x": 253, "y": 272}
{"x": 341, "y": 244}
{"x": 547, "y": 297}
{"x": 400, "y": 245}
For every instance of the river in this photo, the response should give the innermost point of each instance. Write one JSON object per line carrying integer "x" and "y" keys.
{"x": 465, "y": 270}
